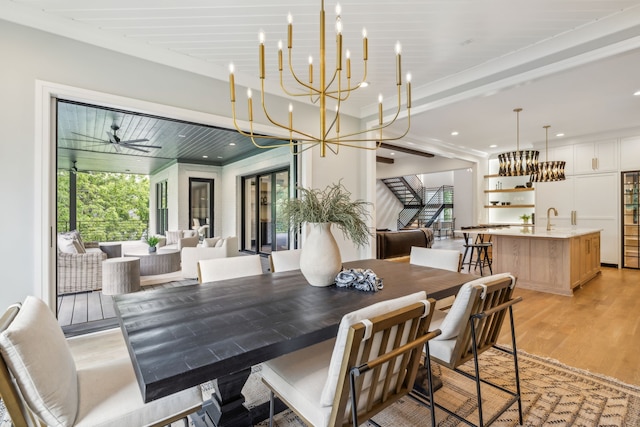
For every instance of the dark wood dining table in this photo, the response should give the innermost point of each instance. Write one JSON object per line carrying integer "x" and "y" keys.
{"x": 185, "y": 336}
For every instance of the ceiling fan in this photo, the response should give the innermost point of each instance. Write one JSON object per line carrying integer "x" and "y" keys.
{"x": 117, "y": 143}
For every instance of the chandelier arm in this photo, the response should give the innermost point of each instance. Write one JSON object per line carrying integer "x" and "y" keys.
{"x": 274, "y": 122}
{"x": 300, "y": 82}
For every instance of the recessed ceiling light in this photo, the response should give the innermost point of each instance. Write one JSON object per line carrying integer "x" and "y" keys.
{"x": 364, "y": 84}
{"x": 182, "y": 136}
{"x": 559, "y": 134}
{"x": 493, "y": 146}
{"x": 637, "y": 93}
{"x": 411, "y": 143}
{"x": 205, "y": 157}
{"x": 392, "y": 153}
{"x": 220, "y": 157}
{"x": 454, "y": 133}
{"x": 232, "y": 143}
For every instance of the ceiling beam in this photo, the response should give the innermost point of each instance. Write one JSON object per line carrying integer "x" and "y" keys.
{"x": 405, "y": 150}
{"x": 384, "y": 160}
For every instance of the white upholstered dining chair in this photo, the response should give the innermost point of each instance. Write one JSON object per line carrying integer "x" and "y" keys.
{"x": 41, "y": 384}
{"x": 285, "y": 260}
{"x": 211, "y": 270}
{"x": 471, "y": 327}
{"x": 446, "y": 259}
{"x": 371, "y": 364}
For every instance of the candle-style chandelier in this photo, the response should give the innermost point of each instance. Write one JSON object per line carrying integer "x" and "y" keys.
{"x": 549, "y": 170}
{"x": 518, "y": 163}
{"x": 331, "y": 89}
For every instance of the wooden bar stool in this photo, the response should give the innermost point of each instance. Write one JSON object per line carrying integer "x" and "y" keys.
{"x": 481, "y": 249}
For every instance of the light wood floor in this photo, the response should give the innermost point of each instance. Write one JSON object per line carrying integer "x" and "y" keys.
{"x": 598, "y": 329}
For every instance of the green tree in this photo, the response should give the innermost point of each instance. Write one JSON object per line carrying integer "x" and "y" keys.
{"x": 110, "y": 206}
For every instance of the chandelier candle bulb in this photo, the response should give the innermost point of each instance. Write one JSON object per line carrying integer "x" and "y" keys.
{"x": 380, "y": 109}
{"x": 398, "y": 64}
{"x": 249, "y": 104}
{"x": 408, "y": 90}
{"x": 289, "y": 31}
{"x": 365, "y": 45}
{"x": 261, "y": 48}
{"x": 232, "y": 84}
{"x": 348, "y": 55}
{"x": 280, "y": 55}
{"x": 310, "y": 69}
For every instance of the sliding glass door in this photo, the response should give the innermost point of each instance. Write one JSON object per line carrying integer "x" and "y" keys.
{"x": 263, "y": 230}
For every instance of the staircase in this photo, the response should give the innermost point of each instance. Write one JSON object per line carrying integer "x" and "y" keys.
{"x": 421, "y": 206}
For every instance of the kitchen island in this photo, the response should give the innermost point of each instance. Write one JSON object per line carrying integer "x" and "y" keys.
{"x": 554, "y": 261}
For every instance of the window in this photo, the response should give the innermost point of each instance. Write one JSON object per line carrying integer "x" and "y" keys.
{"x": 162, "y": 211}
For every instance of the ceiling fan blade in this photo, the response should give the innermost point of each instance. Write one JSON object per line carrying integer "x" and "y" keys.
{"x": 84, "y": 140}
{"x": 138, "y": 145}
{"x": 87, "y": 136}
{"x": 129, "y": 141}
{"x": 117, "y": 147}
{"x": 134, "y": 148}
{"x": 112, "y": 138}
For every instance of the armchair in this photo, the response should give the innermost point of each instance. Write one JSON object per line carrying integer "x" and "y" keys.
{"x": 79, "y": 264}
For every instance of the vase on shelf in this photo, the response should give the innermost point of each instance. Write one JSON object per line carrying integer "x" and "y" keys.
{"x": 152, "y": 249}
{"x": 320, "y": 259}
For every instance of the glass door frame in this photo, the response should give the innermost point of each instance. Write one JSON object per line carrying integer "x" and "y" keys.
{"x": 208, "y": 232}
{"x": 257, "y": 203}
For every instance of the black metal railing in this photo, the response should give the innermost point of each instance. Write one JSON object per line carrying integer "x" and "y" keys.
{"x": 108, "y": 231}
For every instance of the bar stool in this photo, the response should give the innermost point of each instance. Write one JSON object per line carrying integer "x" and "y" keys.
{"x": 481, "y": 249}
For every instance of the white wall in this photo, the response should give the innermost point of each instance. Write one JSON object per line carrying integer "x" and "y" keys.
{"x": 25, "y": 171}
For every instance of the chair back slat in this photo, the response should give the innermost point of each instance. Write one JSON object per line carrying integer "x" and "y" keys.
{"x": 392, "y": 356}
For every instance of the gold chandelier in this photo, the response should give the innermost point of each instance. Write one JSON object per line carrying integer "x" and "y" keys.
{"x": 518, "y": 163}
{"x": 331, "y": 89}
{"x": 548, "y": 171}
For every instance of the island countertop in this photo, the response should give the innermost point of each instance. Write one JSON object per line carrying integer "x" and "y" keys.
{"x": 539, "y": 232}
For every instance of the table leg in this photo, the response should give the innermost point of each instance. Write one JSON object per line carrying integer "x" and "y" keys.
{"x": 225, "y": 408}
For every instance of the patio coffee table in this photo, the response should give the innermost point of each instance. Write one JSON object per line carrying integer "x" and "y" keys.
{"x": 161, "y": 262}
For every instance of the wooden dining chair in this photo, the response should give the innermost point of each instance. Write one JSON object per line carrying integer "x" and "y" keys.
{"x": 285, "y": 260}
{"x": 471, "y": 327}
{"x": 41, "y": 385}
{"x": 371, "y": 364}
{"x": 211, "y": 270}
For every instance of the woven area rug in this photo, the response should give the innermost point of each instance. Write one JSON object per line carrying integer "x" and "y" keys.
{"x": 553, "y": 394}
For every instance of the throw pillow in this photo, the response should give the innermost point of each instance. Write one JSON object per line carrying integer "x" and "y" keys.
{"x": 189, "y": 233}
{"x": 219, "y": 243}
{"x": 210, "y": 242}
{"x": 173, "y": 236}
{"x": 70, "y": 242}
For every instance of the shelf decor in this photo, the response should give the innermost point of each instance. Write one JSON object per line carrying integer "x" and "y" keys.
{"x": 518, "y": 163}
{"x": 549, "y": 170}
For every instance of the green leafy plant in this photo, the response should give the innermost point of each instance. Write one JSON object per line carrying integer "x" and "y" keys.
{"x": 525, "y": 217}
{"x": 334, "y": 205}
{"x": 152, "y": 240}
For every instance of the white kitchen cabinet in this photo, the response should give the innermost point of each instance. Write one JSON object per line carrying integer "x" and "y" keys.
{"x": 595, "y": 157}
{"x": 563, "y": 154}
{"x": 594, "y": 198}
{"x": 630, "y": 154}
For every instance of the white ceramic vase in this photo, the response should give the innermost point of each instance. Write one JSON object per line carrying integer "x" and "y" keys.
{"x": 320, "y": 259}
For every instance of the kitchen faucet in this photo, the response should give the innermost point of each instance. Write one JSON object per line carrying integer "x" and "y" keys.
{"x": 555, "y": 212}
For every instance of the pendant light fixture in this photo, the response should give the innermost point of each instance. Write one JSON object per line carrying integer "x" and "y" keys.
{"x": 518, "y": 163}
{"x": 548, "y": 171}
